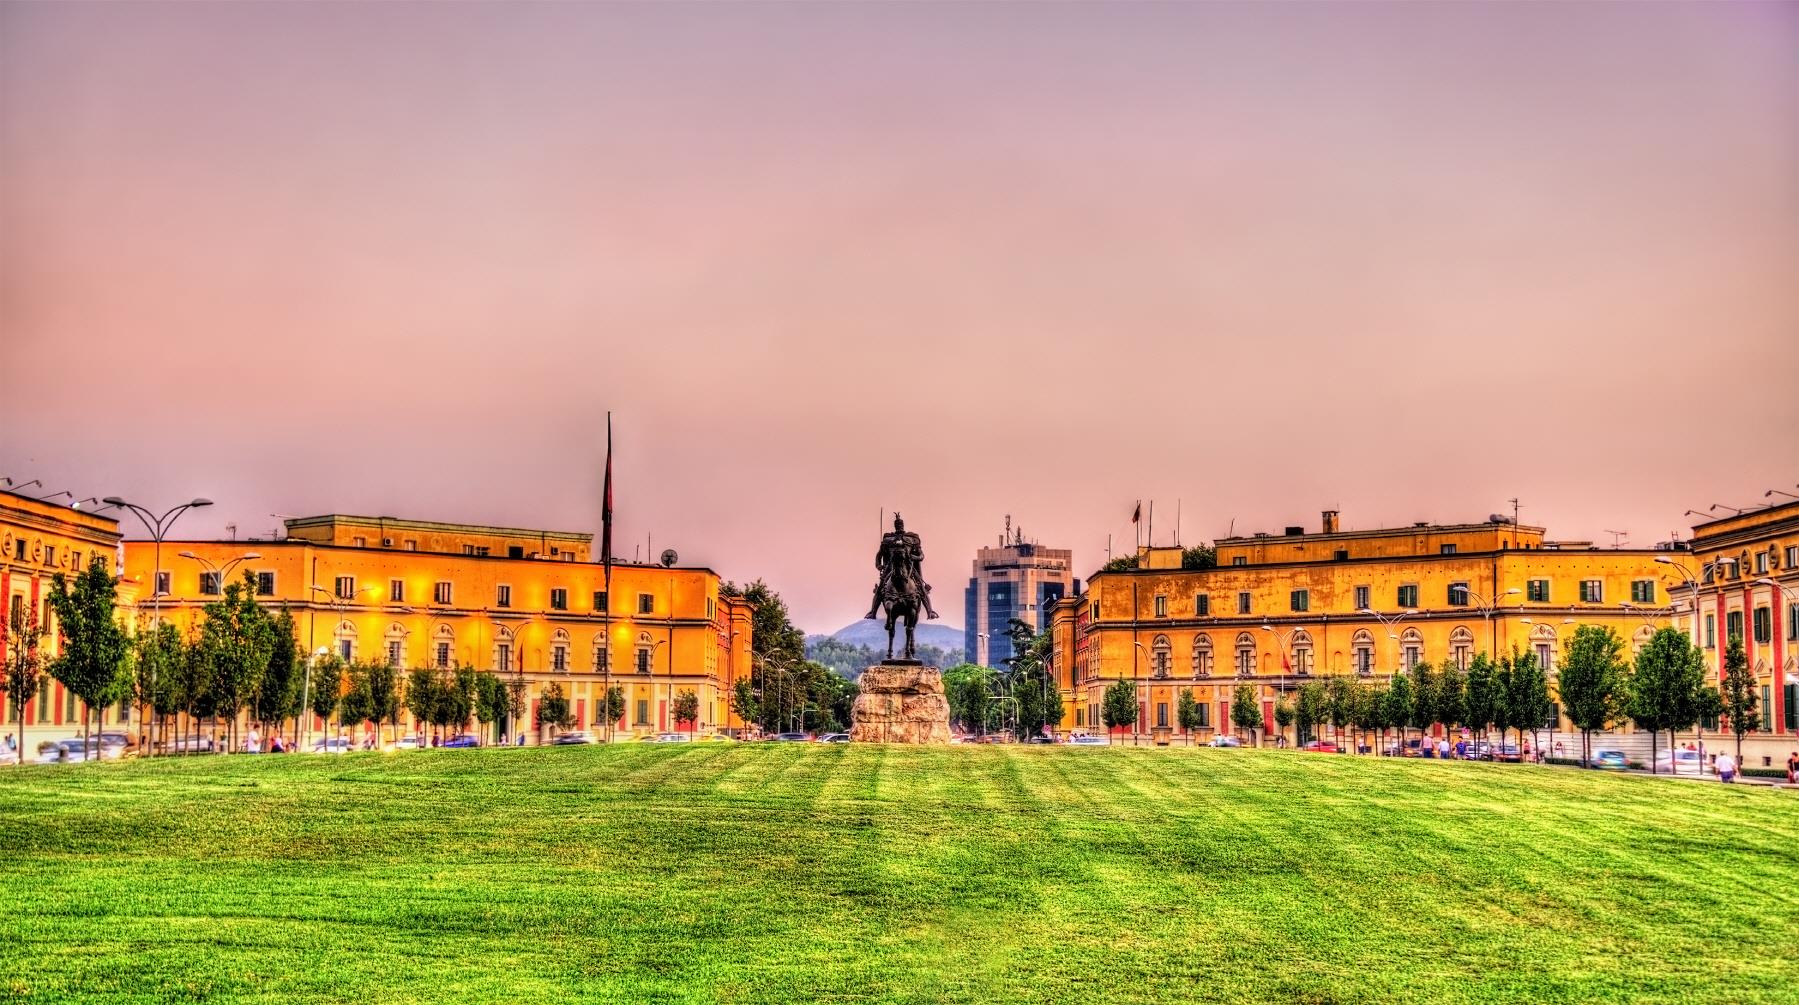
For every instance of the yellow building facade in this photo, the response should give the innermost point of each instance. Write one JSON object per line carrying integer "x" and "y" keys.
{"x": 367, "y": 596}
{"x": 40, "y": 540}
{"x": 1282, "y": 609}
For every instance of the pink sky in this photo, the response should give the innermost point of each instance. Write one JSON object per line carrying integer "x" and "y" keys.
{"x": 1410, "y": 261}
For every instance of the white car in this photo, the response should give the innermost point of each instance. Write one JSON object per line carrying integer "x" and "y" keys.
{"x": 1089, "y": 740}
{"x": 1680, "y": 762}
{"x": 404, "y": 743}
{"x": 333, "y": 745}
{"x": 1225, "y": 741}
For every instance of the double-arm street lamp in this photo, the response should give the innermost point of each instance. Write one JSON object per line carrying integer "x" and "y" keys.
{"x": 1389, "y": 623}
{"x": 337, "y": 609}
{"x": 158, "y": 526}
{"x": 1486, "y": 608}
{"x": 1691, "y": 582}
{"x": 219, "y": 572}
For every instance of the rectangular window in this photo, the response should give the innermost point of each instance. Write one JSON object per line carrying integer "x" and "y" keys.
{"x": 1205, "y": 714}
{"x": 1161, "y": 605}
{"x": 558, "y": 600}
{"x": 393, "y": 653}
{"x": 1733, "y": 625}
{"x": 18, "y": 551}
{"x": 1546, "y": 656}
{"x": 1242, "y": 603}
{"x": 711, "y": 609}
{"x": 440, "y": 593}
{"x": 559, "y": 659}
{"x": 411, "y": 545}
{"x": 443, "y": 654}
{"x": 502, "y": 596}
{"x": 1765, "y": 711}
{"x": 1458, "y": 594}
{"x": 1202, "y": 606}
{"x": 1592, "y": 591}
{"x": 346, "y": 587}
{"x": 1792, "y": 556}
{"x": 643, "y": 711}
{"x": 209, "y": 584}
{"x": 502, "y": 656}
{"x": 1161, "y": 715}
{"x": 1080, "y": 717}
{"x": 643, "y": 661}
{"x": 1793, "y": 622}
{"x": 265, "y": 584}
{"x": 1239, "y": 559}
{"x": 162, "y": 581}
{"x": 646, "y": 603}
{"x": 396, "y": 591}
{"x": 1764, "y": 624}
{"x": 1300, "y": 600}
{"x": 359, "y": 542}
{"x": 1642, "y": 591}
{"x": 599, "y": 601}
{"x": 49, "y": 554}
{"x": 346, "y": 650}
{"x": 1408, "y": 596}
{"x": 1711, "y": 632}
{"x": 1761, "y": 563}
{"x": 602, "y": 659}
{"x": 1446, "y": 549}
{"x": 1361, "y": 598}
{"x": 1537, "y": 591}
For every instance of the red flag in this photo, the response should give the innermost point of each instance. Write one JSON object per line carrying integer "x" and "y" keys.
{"x": 1137, "y": 514}
{"x": 606, "y": 516}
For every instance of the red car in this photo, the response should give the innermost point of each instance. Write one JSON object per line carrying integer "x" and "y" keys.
{"x": 1322, "y": 747}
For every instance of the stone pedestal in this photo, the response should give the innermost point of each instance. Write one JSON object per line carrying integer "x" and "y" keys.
{"x": 900, "y": 702}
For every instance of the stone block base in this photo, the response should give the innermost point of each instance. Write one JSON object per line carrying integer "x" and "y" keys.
{"x": 900, "y": 703}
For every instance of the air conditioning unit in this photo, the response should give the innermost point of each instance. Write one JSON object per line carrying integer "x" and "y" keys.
{"x": 387, "y": 542}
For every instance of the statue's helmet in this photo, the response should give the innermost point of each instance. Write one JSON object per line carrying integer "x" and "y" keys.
{"x": 898, "y": 523}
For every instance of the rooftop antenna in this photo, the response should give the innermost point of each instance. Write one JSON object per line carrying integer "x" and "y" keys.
{"x": 232, "y": 529}
{"x": 1617, "y": 537}
{"x": 1515, "y": 507}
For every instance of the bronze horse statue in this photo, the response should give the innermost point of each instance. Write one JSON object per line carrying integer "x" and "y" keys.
{"x": 900, "y": 601}
{"x": 902, "y": 589}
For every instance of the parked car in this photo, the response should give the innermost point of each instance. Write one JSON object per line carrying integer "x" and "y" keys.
{"x": 791, "y": 737}
{"x": 124, "y": 741}
{"x": 671, "y": 738}
{"x": 1322, "y": 747}
{"x": 1089, "y": 740}
{"x": 405, "y": 743}
{"x": 572, "y": 738}
{"x": 332, "y": 745}
{"x": 834, "y": 738}
{"x": 1041, "y": 739}
{"x": 462, "y": 741}
{"x": 191, "y": 745}
{"x": 1610, "y": 760}
{"x": 717, "y": 738}
{"x": 1680, "y": 762}
{"x": 1225, "y": 741}
{"x": 1504, "y": 752}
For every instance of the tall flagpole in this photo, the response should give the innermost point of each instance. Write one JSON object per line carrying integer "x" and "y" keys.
{"x": 606, "y": 562}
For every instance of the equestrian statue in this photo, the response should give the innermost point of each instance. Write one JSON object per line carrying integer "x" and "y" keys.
{"x": 902, "y": 589}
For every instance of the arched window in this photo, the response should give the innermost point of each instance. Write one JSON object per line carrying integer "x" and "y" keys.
{"x": 505, "y": 644}
{"x": 396, "y": 646}
{"x": 1411, "y": 647}
{"x": 1202, "y": 656}
{"x": 646, "y": 650}
{"x": 1302, "y": 652}
{"x": 559, "y": 651}
{"x": 1542, "y": 643}
{"x": 1159, "y": 657}
{"x": 345, "y": 636}
{"x": 1246, "y": 655}
{"x": 1461, "y": 647}
{"x": 602, "y": 656}
{"x": 1641, "y": 639}
{"x": 443, "y": 646}
{"x": 1362, "y": 652}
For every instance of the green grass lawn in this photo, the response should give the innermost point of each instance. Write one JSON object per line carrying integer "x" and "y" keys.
{"x": 776, "y": 873}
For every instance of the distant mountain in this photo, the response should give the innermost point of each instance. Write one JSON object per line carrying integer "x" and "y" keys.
{"x": 872, "y": 632}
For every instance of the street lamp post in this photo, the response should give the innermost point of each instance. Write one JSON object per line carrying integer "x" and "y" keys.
{"x": 1389, "y": 623}
{"x": 337, "y": 609}
{"x": 1284, "y": 640}
{"x": 1486, "y": 608}
{"x": 159, "y": 527}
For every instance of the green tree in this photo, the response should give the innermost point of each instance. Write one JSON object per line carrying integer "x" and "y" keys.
{"x": 1123, "y": 563}
{"x": 24, "y": 665}
{"x": 95, "y": 658}
{"x": 612, "y": 708}
{"x": 1246, "y": 711}
{"x": 777, "y": 652}
{"x": 687, "y": 708}
{"x": 1200, "y": 556}
{"x": 1527, "y": 695}
{"x": 969, "y": 689}
{"x": 384, "y": 694}
{"x": 158, "y": 670}
{"x": 1590, "y": 682}
{"x": 236, "y": 641}
{"x": 1187, "y": 712}
{"x": 1452, "y": 695}
{"x": 1396, "y": 708}
{"x": 1665, "y": 687}
{"x": 1499, "y": 706}
{"x": 1039, "y": 699}
{"x": 1368, "y": 712}
{"x": 355, "y": 706}
{"x": 278, "y": 695}
{"x": 1118, "y": 706}
{"x": 1283, "y": 717}
{"x": 745, "y": 704}
{"x": 1341, "y": 694}
{"x": 553, "y": 708}
{"x": 1479, "y": 693}
{"x": 1311, "y": 708}
{"x": 1425, "y": 694}
{"x": 327, "y": 687}
{"x": 1736, "y": 693}
{"x": 492, "y": 701}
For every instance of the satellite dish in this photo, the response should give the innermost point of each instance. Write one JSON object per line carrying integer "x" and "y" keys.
{"x": 669, "y": 557}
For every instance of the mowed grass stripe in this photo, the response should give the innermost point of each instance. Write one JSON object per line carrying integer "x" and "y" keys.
{"x": 787, "y": 872}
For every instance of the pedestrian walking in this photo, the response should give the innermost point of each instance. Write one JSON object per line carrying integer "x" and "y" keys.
{"x": 1443, "y": 750}
{"x": 1727, "y": 768}
{"x": 1793, "y": 768}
